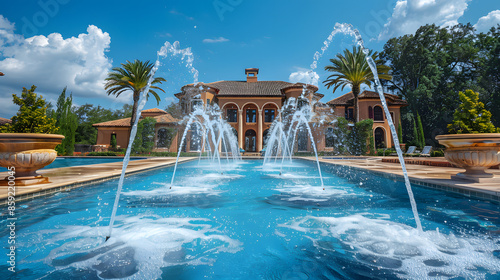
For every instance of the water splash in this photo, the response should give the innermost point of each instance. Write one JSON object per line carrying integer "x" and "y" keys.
{"x": 378, "y": 243}
{"x": 175, "y": 50}
{"x": 339, "y": 28}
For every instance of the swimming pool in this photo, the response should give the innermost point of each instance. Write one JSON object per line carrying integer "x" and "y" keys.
{"x": 77, "y": 161}
{"x": 251, "y": 223}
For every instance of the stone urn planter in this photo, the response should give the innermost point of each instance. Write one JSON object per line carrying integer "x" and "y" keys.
{"x": 474, "y": 152}
{"x": 28, "y": 152}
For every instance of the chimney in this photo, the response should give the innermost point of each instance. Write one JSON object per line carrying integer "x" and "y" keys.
{"x": 251, "y": 74}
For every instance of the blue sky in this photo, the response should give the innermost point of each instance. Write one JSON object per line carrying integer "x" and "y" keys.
{"x": 58, "y": 43}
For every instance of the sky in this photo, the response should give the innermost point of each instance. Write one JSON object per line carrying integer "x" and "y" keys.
{"x": 68, "y": 43}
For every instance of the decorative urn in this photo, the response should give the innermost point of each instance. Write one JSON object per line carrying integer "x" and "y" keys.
{"x": 26, "y": 153}
{"x": 474, "y": 152}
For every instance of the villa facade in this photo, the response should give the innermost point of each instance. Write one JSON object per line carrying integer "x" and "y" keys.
{"x": 250, "y": 107}
{"x": 370, "y": 107}
{"x": 120, "y": 129}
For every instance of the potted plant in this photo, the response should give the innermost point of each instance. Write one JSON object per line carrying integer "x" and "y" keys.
{"x": 473, "y": 142}
{"x": 27, "y": 144}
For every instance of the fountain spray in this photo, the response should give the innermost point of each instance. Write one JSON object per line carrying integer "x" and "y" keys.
{"x": 167, "y": 48}
{"x": 380, "y": 92}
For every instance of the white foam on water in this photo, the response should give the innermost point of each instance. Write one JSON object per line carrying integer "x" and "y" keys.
{"x": 421, "y": 254}
{"x": 464, "y": 217}
{"x": 311, "y": 193}
{"x": 147, "y": 243}
{"x": 291, "y": 176}
{"x": 176, "y": 191}
{"x": 196, "y": 185}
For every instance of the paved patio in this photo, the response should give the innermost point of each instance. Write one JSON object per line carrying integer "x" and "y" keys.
{"x": 429, "y": 176}
{"x": 67, "y": 178}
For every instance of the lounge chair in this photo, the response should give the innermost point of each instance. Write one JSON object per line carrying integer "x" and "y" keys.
{"x": 426, "y": 151}
{"x": 410, "y": 151}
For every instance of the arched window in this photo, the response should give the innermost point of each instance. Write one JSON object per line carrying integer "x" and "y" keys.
{"x": 165, "y": 137}
{"x": 378, "y": 114}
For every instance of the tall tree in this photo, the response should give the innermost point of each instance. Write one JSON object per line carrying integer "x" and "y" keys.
{"x": 87, "y": 115}
{"x": 352, "y": 69}
{"x": 67, "y": 123}
{"x": 32, "y": 115}
{"x": 133, "y": 76}
{"x": 489, "y": 80}
{"x": 428, "y": 68}
{"x": 174, "y": 109}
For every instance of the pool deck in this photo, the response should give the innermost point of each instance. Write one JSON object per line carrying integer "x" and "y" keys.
{"x": 436, "y": 177}
{"x": 67, "y": 178}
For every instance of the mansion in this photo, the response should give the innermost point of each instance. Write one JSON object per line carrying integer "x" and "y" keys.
{"x": 250, "y": 107}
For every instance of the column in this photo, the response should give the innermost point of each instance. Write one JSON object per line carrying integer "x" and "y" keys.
{"x": 259, "y": 131}
{"x": 240, "y": 128}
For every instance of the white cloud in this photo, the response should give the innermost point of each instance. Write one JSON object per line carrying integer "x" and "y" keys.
{"x": 305, "y": 76}
{"x": 52, "y": 63}
{"x": 485, "y": 23}
{"x": 409, "y": 15}
{"x": 216, "y": 40}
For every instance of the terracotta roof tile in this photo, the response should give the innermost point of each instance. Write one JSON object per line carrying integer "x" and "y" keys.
{"x": 121, "y": 122}
{"x": 259, "y": 88}
{"x": 4, "y": 121}
{"x": 163, "y": 119}
{"x": 154, "y": 110}
{"x": 167, "y": 118}
{"x": 348, "y": 98}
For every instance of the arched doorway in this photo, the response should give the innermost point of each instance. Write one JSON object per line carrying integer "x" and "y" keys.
{"x": 379, "y": 138}
{"x": 250, "y": 137}
{"x": 265, "y": 136}
{"x": 195, "y": 138}
{"x": 302, "y": 141}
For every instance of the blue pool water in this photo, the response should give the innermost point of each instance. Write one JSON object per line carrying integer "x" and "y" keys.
{"x": 251, "y": 223}
{"x": 77, "y": 161}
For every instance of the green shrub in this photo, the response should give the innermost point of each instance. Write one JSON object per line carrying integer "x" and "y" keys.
{"x": 437, "y": 153}
{"x": 144, "y": 139}
{"x": 353, "y": 140}
{"x": 32, "y": 115}
{"x": 103, "y": 154}
{"x": 471, "y": 116}
{"x": 385, "y": 152}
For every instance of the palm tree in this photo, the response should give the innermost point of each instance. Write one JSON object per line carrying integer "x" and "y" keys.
{"x": 352, "y": 69}
{"x": 133, "y": 76}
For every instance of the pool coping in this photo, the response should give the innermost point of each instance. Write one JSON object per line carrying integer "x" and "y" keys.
{"x": 68, "y": 178}
{"x": 423, "y": 176}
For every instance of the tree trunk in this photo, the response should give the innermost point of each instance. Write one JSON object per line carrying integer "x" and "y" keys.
{"x": 134, "y": 108}
{"x": 355, "y": 92}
